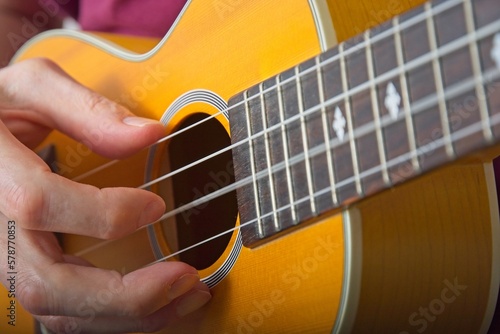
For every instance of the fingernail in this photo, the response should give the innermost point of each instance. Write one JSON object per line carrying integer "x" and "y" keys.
{"x": 139, "y": 121}
{"x": 182, "y": 285}
{"x": 192, "y": 302}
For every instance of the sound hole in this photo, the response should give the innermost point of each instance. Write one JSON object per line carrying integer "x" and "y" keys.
{"x": 209, "y": 219}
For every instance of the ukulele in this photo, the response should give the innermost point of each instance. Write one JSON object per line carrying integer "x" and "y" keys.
{"x": 316, "y": 186}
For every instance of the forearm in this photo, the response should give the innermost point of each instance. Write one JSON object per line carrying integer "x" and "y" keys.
{"x": 21, "y": 20}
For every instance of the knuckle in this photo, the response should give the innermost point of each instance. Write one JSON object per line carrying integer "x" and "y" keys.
{"x": 116, "y": 222}
{"x": 27, "y": 203}
{"x": 33, "y": 297}
{"x": 96, "y": 103}
{"x": 111, "y": 228}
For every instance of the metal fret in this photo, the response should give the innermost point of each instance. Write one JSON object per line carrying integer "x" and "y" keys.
{"x": 305, "y": 142}
{"x": 376, "y": 110}
{"x": 285, "y": 149}
{"x": 269, "y": 164}
{"x": 350, "y": 127}
{"x": 260, "y": 229}
{"x": 405, "y": 95}
{"x": 439, "y": 81}
{"x": 476, "y": 67}
{"x": 328, "y": 147}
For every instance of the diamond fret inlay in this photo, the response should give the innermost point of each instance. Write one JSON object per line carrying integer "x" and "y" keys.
{"x": 392, "y": 100}
{"x": 339, "y": 124}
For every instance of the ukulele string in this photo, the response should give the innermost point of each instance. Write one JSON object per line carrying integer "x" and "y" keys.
{"x": 418, "y": 107}
{"x": 361, "y": 131}
{"x": 441, "y": 142}
{"x": 443, "y": 51}
{"x": 361, "y": 45}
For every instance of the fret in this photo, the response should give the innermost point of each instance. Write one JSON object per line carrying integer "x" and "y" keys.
{"x": 439, "y": 82}
{"x": 402, "y": 172}
{"x": 392, "y": 99}
{"x": 350, "y": 126}
{"x": 259, "y": 225}
{"x": 274, "y": 218}
{"x": 375, "y": 106}
{"x": 427, "y": 123}
{"x": 460, "y": 66}
{"x": 395, "y": 137}
{"x": 307, "y": 160}
{"x": 324, "y": 121}
{"x": 310, "y": 77}
{"x": 341, "y": 154}
{"x": 281, "y": 185}
{"x": 361, "y": 107}
{"x": 265, "y": 222}
{"x": 288, "y": 169}
{"x": 295, "y": 145}
{"x": 245, "y": 193}
{"x": 476, "y": 68}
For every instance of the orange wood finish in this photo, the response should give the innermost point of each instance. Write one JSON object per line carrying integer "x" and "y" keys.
{"x": 437, "y": 231}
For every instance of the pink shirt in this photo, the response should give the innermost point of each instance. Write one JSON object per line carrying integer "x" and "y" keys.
{"x": 133, "y": 17}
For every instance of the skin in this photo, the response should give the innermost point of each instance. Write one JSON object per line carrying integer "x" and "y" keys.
{"x": 64, "y": 292}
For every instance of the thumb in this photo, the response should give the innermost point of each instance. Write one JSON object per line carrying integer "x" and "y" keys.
{"x": 40, "y": 92}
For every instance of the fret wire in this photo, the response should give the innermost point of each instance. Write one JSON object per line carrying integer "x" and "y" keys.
{"x": 260, "y": 230}
{"x": 476, "y": 68}
{"x": 376, "y": 109}
{"x": 285, "y": 149}
{"x": 444, "y": 50}
{"x": 462, "y": 133}
{"x": 436, "y": 65}
{"x": 268, "y": 159}
{"x": 305, "y": 141}
{"x": 326, "y": 131}
{"x": 405, "y": 95}
{"x": 350, "y": 126}
{"x": 489, "y": 76}
{"x": 417, "y": 108}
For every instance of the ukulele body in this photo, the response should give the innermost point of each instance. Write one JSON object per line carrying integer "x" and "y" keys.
{"x": 419, "y": 257}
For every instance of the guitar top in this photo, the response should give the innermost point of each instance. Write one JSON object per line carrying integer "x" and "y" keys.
{"x": 316, "y": 188}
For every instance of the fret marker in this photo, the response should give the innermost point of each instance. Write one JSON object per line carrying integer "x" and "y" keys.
{"x": 339, "y": 124}
{"x": 495, "y": 52}
{"x": 392, "y": 100}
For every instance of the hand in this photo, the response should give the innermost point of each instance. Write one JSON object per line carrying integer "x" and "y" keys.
{"x": 35, "y": 97}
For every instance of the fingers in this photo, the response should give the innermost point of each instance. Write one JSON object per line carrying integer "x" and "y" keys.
{"x": 73, "y": 298}
{"x": 37, "y": 91}
{"x": 145, "y": 300}
{"x": 76, "y": 291}
{"x": 165, "y": 316}
{"x": 40, "y": 200}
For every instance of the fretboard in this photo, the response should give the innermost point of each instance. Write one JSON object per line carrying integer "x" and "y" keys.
{"x": 414, "y": 94}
